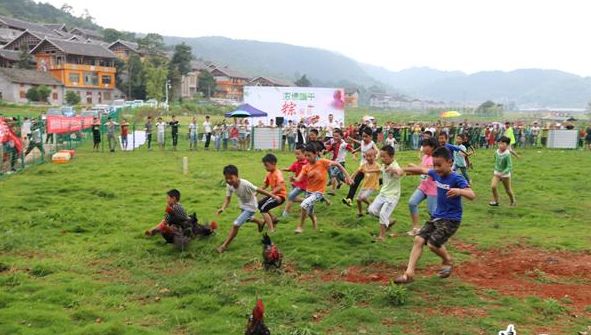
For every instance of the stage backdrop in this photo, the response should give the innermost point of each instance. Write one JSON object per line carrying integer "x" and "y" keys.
{"x": 313, "y": 104}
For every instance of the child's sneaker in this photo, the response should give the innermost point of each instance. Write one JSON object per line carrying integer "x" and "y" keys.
{"x": 513, "y": 204}
{"x": 298, "y": 230}
{"x": 285, "y": 214}
{"x": 347, "y": 202}
{"x": 493, "y": 204}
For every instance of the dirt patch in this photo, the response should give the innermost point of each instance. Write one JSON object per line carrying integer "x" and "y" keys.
{"x": 375, "y": 273}
{"x": 523, "y": 271}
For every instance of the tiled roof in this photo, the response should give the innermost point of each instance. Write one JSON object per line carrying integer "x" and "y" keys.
{"x": 78, "y": 48}
{"x": 22, "y": 76}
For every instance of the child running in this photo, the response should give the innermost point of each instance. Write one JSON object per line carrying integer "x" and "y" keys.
{"x": 315, "y": 172}
{"x": 426, "y": 190}
{"x": 502, "y": 172}
{"x": 274, "y": 181}
{"x": 246, "y": 193}
{"x": 460, "y": 157}
{"x": 338, "y": 147}
{"x": 385, "y": 203}
{"x": 365, "y": 145}
{"x": 297, "y": 187}
{"x": 371, "y": 183}
{"x": 451, "y": 187}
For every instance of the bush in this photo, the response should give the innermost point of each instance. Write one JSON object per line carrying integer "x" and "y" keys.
{"x": 43, "y": 92}
{"x": 72, "y": 98}
{"x": 396, "y": 295}
{"x": 32, "y": 94}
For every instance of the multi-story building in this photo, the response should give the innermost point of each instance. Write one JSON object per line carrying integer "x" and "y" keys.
{"x": 229, "y": 83}
{"x": 85, "y": 68}
{"x": 268, "y": 81}
{"x": 123, "y": 49}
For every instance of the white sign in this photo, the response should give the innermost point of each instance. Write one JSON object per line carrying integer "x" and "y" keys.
{"x": 562, "y": 139}
{"x": 265, "y": 138}
{"x": 312, "y": 104}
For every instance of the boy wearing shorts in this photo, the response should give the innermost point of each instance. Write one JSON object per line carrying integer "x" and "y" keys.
{"x": 246, "y": 193}
{"x": 451, "y": 187}
{"x": 274, "y": 181}
{"x": 502, "y": 172}
{"x": 296, "y": 187}
{"x": 371, "y": 182}
{"x": 316, "y": 174}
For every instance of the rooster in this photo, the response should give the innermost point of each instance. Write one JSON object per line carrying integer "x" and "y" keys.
{"x": 184, "y": 230}
{"x": 256, "y": 325}
{"x": 272, "y": 257}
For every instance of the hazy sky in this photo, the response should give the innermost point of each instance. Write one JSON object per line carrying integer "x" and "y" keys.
{"x": 469, "y": 35}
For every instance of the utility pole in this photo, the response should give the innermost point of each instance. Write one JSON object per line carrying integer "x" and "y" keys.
{"x": 167, "y": 86}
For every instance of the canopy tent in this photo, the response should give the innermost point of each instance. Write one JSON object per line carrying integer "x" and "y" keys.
{"x": 246, "y": 110}
{"x": 450, "y": 114}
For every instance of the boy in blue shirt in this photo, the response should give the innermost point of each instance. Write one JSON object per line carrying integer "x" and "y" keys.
{"x": 447, "y": 217}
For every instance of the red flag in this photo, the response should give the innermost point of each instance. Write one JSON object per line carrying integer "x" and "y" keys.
{"x": 7, "y": 135}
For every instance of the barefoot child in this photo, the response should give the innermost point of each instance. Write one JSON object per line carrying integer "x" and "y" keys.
{"x": 502, "y": 172}
{"x": 451, "y": 187}
{"x": 246, "y": 193}
{"x": 315, "y": 172}
{"x": 426, "y": 190}
{"x": 385, "y": 203}
{"x": 371, "y": 183}
{"x": 274, "y": 181}
{"x": 296, "y": 187}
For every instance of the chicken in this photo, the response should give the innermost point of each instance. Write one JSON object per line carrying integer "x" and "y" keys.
{"x": 272, "y": 257}
{"x": 199, "y": 229}
{"x": 256, "y": 325}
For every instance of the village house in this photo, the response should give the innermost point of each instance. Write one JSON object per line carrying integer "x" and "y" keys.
{"x": 123, "y": 49}
{"x": 9, "y": 58}
{"x": 85, "y": 68}
{"x": 14, "y": 84}
{"x": 86, "y": 33}
{"x": 268, "y": 81}
{"x": 27, "y": 40}
{"x": 352, "y": 98}
{"x": 229, "y": 83}
{"x": 190, "y": 81}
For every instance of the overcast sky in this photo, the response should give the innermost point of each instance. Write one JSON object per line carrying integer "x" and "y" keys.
{"x": 461, "y": 35}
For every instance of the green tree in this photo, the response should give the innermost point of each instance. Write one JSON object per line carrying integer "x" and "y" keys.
{"x": 72, "y": 98}
{"x": 490, "y": 108}
{"x": 25, "y": 60}
{"x": 152, "y": 44}
{"x": 206, "y": 83}
{"x": 111, "y": 35}
{"x": 136, "y": 78}
{"x": 32, "y": 94}
{"x": 181, "y": 59}
{"x": 43, "y": 92}
{"x": 156, "y": 77}
{"x": 303, "y": 82}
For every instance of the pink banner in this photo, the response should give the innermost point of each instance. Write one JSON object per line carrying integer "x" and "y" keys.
{"x": 57, "y": 124}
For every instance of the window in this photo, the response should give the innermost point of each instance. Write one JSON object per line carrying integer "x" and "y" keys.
{"x": 54, "y": 96}
{"x": 74, "y": 78}
{"x": 106, "y": 80}
{"x": 23, "y": 94}
{"x": 107, "y": 96}
{"x": 91, "y": 78}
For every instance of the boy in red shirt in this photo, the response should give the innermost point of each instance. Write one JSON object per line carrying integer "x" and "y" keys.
{"x": 297, "y": 187}
{"x": 274, "y": 181}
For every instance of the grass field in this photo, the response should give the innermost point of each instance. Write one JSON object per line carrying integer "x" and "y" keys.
{"x": 73, "y": 258}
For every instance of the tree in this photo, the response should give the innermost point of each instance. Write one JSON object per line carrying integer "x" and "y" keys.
{"x": 181, "y": 59}
{"x": 72, "y": 98}
{"x": 135, "y": 86}
{"x": 43, "y": 93}
{"x": 25, "y": 60}
{"x": 206, "y": 83}
{"x": 179, "y": 65}
{"x": 32, "y": 94}
{"x": 155, "y": 77}
{"x": 303, "y": 82}
{"x": 490, "y": 108}
{"x": 66, "y": 9}
{"x": 152, "y": 43}
{"x": 111, "y": 35}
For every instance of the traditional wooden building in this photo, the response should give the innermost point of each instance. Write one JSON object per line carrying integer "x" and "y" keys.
{"x": 85, "y": 68}
{"x": 123, "y": 49}
{"x": 86, "y": 33}
{"x": 268, "y": 81}
{"x": 351, "y": 97}
{"x": 9, "y": 58}
{"x": 229, "y": 83}
{"x": 14, "y": 84}
{"x": 16, "y": 24}
{"x": 27, "y": 40}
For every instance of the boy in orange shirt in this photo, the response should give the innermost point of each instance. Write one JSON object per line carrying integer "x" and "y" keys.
{"x": 273, "y": 180}
{"x": 316, "y": 173}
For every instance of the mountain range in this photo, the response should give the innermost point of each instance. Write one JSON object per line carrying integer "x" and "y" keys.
{"x": 523, "y": 87}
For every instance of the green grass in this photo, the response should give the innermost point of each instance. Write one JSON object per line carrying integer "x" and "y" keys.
{"x": 73, "y": 258}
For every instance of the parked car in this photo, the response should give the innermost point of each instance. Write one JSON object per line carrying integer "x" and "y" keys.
{"x": 62, "y": 111}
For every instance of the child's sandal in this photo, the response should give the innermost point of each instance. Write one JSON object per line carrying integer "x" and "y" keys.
{"x": 403, "y": 279}
{"x": 446, "y": 271}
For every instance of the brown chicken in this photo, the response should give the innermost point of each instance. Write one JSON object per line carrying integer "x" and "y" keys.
{"x": 256, "y": 325}
{"x": 272, "y": 257}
